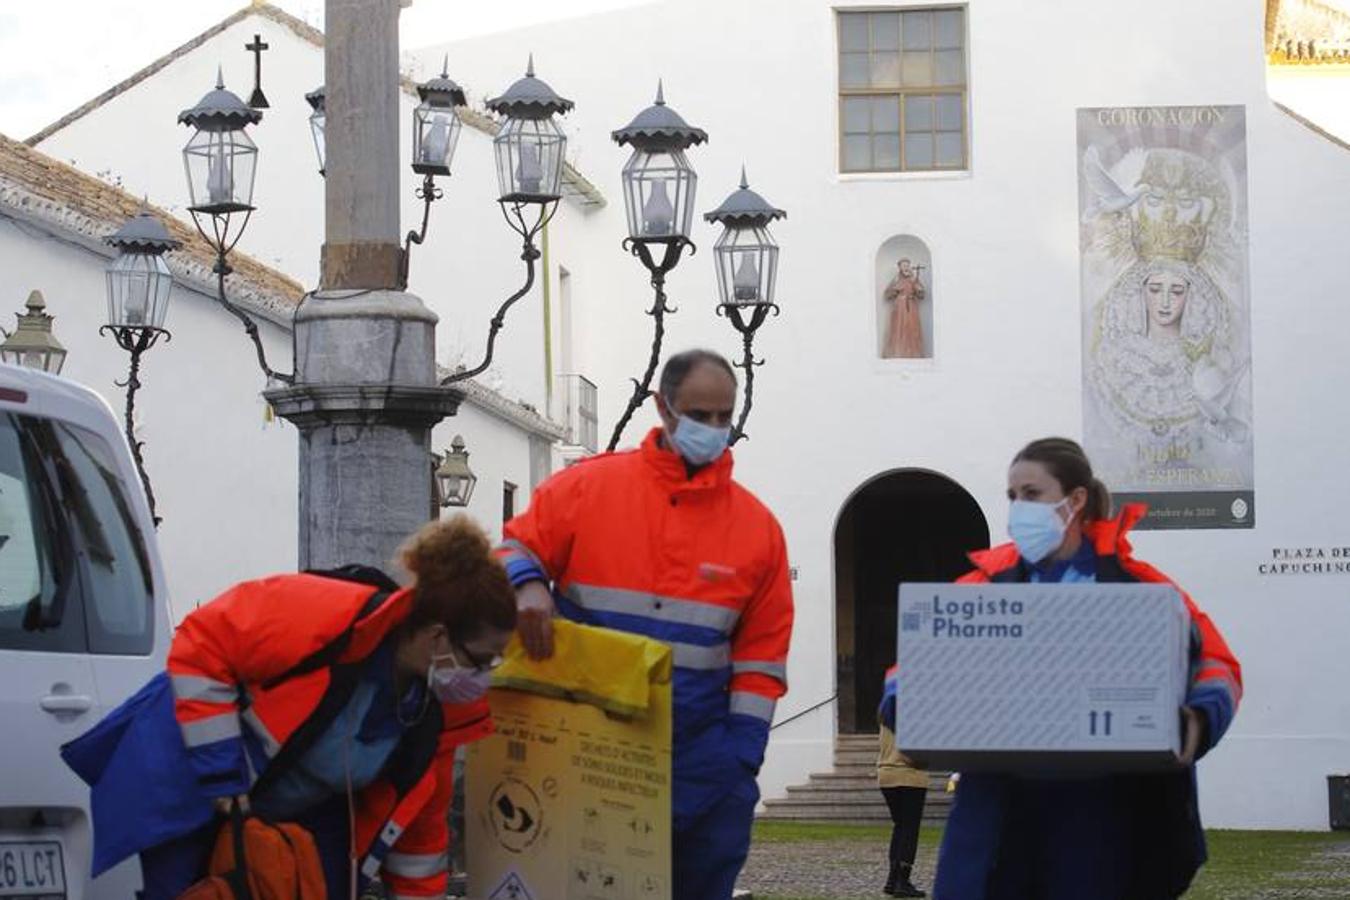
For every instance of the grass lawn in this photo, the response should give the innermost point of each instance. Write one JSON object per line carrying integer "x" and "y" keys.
{"x": 1243, "y": 865}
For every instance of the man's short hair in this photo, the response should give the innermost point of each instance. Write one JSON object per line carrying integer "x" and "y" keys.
{"x": 678, "y": 367}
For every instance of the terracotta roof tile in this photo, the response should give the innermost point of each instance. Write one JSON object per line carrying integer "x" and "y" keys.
{"x": 36, "y": 186}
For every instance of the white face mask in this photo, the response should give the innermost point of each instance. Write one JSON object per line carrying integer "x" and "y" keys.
{"x": 697, "y": 443}
{"x": 1037, "y": 528}
{"x": 456, "y": 684}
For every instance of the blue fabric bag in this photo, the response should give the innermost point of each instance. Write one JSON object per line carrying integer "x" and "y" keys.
{"x": 143, "y": 788}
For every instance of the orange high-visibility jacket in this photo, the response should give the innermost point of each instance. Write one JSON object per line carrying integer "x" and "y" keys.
{"x": 244, "y": 716}
{"x": 630, "y": 541}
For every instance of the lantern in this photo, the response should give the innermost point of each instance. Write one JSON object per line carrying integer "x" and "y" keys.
{"x": 220, "y": 158}
{"x": 32, "y": 343}
{"x": 746, "y": 255}
{"x": 454, "y": 478}
{"x": 139, "y": 281}
{"x": 530, "y": 145}
{"x": 658, "y": 182}
{"x": 436, "y": 124}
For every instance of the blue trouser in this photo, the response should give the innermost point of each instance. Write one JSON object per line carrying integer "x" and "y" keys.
{"x": 170, "y": 868}
{"x": 1035, "y": 839}
{"x": 710, "y": 850}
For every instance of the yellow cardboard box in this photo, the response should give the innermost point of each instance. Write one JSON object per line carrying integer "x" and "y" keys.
{"x": 570, "y": 799}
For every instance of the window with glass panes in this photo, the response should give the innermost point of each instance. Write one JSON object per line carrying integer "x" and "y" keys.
{"x": 902, "y": 90}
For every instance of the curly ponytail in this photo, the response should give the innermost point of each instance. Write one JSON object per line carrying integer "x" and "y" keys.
{"x": 458, "y": 581}
{"x": 1068, "y": 464}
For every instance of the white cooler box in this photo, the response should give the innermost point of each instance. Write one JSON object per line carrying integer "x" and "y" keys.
{"x": 1041, "y": 678}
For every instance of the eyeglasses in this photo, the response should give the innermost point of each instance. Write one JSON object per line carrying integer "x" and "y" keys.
{"x": 478, "y": 664}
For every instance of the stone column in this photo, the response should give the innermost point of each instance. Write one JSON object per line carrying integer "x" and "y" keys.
{"x": 365, "y": 395}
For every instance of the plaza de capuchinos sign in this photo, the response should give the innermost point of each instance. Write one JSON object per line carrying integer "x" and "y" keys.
{"x": 1306, "y": 561}
{"x": 1165, "y": 306}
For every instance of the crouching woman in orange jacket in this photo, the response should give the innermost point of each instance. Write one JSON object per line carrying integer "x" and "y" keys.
{"x": 333, "y": 700}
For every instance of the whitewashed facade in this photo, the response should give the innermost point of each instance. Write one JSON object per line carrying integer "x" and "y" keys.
{"x": 831, "y": 417}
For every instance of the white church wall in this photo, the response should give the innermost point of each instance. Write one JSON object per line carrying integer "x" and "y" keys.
{"x": 135, "y": 140}
{"x": 224, "y": 481}
{"x": 1004, "y": 244}
{"x": 497, "y": 455}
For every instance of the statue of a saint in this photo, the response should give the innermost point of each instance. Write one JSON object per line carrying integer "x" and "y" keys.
{"x": 904, "y": 336}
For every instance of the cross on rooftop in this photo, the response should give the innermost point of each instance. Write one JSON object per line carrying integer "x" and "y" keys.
{"x": 258, "y": 100}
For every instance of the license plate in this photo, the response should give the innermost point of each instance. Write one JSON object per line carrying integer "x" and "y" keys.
{"x": 32, "y": 869}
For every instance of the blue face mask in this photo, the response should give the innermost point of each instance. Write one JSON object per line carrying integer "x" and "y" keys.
{"x": 1036, "y": 528}
{"x": 697, "y": 443}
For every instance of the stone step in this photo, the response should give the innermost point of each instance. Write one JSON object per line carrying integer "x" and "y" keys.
{"x": 868, "y": 788}
{"x": 849, "y": 792}
{"x": 935, "y": 779}
{"x": 828, "y": 811}
{"x": 857, "y": 768}
{"x": 857, "y": 798}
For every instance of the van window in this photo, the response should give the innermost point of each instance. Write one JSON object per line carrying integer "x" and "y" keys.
{"x": 118, "y": 613}
{"x": 37, "y": 572}
{"x": 74, "y": 570}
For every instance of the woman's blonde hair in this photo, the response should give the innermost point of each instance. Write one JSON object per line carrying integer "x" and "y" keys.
{"x": 459, "y": 583}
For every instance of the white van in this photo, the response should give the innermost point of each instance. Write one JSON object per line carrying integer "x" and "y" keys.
{"x": 84, "y": 622}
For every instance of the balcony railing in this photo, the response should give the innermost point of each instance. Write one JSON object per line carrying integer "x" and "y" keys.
{"x": 581, "y": 411}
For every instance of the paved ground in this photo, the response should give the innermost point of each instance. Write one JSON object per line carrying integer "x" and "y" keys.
{"x": 1325, "y": 876}
{"x": 834, "y": 869}
{"x": 1243, "y": 866}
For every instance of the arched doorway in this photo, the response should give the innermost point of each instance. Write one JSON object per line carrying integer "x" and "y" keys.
{"x": 907, "y": 525}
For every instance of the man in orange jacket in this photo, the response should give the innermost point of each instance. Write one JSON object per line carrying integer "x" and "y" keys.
{"x": 660, "y": 541}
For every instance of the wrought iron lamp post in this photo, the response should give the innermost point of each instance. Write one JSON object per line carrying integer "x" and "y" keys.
{"x": 139, "y": 288}
{"x": 658, "y": 193}
{"x": 455, "y": 481}
{"x": 436, "y": 128}
{"x": 530, "y": 147}
{"x": 746, "y": 257}
{"x": 221, "y": 161}
{"x": 31, "y": 343}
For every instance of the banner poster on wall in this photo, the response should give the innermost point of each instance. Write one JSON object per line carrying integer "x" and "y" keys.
{"x": 1167, "y": 376}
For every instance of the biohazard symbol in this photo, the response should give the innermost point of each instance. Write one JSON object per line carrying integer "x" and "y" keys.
{"x": 511, "y": 889}
{"x": 516, "y": 814}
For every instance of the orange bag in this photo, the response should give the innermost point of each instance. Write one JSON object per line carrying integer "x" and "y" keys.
{"x": 257, "y": 860}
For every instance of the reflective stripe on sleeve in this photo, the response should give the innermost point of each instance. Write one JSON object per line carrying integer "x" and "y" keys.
{"x": 416, "y": 865}
{"x": 210, "y": 730}
{"x": 198, "y": 687}
{"x": 516, "y": 548}
{"x": 271, "y": 746}
{"x": 754, "y": 705}
{"x": 772, "y": 669}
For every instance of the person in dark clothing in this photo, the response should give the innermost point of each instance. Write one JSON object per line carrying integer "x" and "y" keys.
{"x": 905, "y": 788}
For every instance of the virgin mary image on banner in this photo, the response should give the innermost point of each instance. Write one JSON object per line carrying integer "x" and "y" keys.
{"x": 1166, "y": 353}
